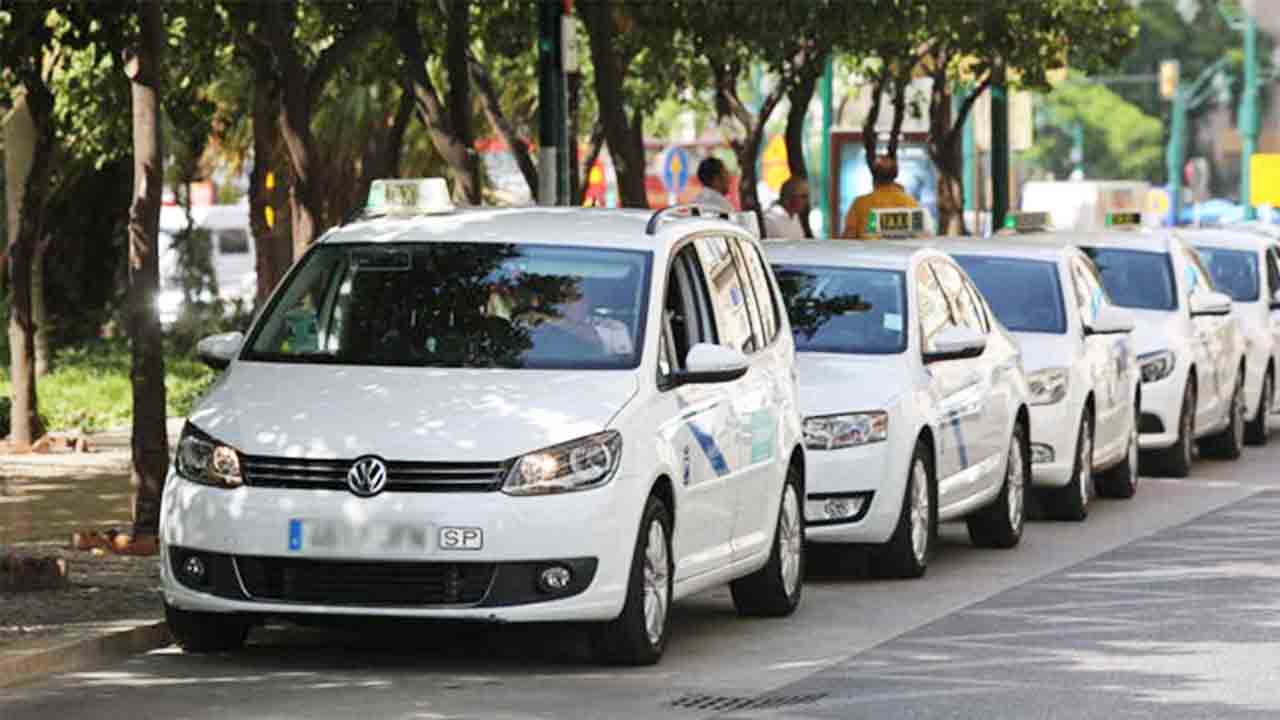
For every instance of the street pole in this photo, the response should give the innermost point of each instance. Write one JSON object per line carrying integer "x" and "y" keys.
{"x": 1249, "y": 120}
{"x": 970, "y": 153}
{"x": 999, "y": 149}
{"x": 825, "y": 200}
{"x": 1176, "y": 155}
{"x": 551, "y": 125}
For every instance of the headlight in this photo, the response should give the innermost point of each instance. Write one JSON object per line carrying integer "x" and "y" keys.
{"x": 576, "y": 465}
{"x": 201, "y": 459}
{"x": 1157, "y": 365}
{"x": 831, "y": 432}
{"x": 1048, "y": 386}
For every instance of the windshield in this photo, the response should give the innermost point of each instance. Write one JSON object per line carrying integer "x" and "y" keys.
{"x": 1024, "y": 294}
{"x": 459, "y": 305}
{"x": 1235, "y": 272}
{"x": 845, "y": 310}
{"x": 1136, "y": 278}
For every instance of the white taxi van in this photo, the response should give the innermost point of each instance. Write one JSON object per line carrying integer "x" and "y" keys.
{"x": 915, "y": 402}
{"x": 544, "y": 414}
{"x": 1190, "y": 350}
{"x": 1080, "y": 362}
{"x": 1246, "y": 266}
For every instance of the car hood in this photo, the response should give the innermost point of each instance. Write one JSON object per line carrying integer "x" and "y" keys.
{"x": 1154, "y": 328}
{"x": 835, "y": 383}
{"x": 424, "y": 414}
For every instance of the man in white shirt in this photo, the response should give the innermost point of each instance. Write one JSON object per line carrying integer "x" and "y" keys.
{"x": 715, "y": 185}
{"x": 782, "y": 221}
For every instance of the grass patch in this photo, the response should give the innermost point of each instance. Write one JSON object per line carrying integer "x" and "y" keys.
{"x": 88, "y": 387}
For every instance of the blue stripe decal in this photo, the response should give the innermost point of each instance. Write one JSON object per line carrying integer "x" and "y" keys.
{"x": 960, "y": 444}
{"x": 710, "y": 449}
{"x": 295, "y": 534}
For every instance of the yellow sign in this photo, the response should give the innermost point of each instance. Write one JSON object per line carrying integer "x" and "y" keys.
{"x": 773, "y": 164}
{"x": 1264, "y": 181}
{"x": 271, "y": 216}
{"x": 1158, "y": 202}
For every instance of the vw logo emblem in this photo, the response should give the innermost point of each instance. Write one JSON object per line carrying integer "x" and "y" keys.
{"x": 367, "y": 476}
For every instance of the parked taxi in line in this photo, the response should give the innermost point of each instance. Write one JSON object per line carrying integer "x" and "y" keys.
{"x": 916, "y": 408}
{"x": 1246, "y": 266}
{"x": 1080, "y": 362}
{"x": 496, "y": 415}
{"x": 1190, "y": 349}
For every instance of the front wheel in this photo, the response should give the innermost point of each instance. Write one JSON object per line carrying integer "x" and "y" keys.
{"x": 1175, "y": 461}
{"x": 999, "y": 525}
{"x": 1072, "y": 502}
{"x": 1257, "y": 430}
{"x": 1229, "y": 444}
{"x": 200, "y": 632}
{"x": 1121, "y": 481}
{"x": 639, "y": 635}
{"x": 906, "y": 555}
{"x": 774, "y": 590}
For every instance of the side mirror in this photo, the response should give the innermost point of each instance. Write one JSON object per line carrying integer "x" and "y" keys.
{"x": 1110, "y": 320}
{"x": 1275, "y": 300}
{"x": 1209, "y": 303}
{"x": 217, "y": 351}
{"x": 707, "y": 363}
{"x": 956, "y": 343}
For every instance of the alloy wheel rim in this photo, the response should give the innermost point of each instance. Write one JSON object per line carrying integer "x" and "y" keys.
{"x": 656, "y": 582}
{"x": 919, "y": 511}
{"x": 1086, "y": 463}
{"x": 790, "y": 541}
{"x": 1014, "y": 481}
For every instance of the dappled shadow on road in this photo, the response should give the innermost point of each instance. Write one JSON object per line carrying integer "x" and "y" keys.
{"x": 51, "y": 508}
{"x": 1182, "y": 624}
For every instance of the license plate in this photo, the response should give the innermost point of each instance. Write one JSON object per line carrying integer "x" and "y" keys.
{"x": 319, "y": 535}
{"x": 461, "y": 538}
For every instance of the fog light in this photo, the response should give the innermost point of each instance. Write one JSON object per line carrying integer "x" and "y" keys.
{"x": 1041, "y": 454}
{"x": 554, "y": 579}
{"x": 834, "y": 509}
{"x": 193, "y": 568}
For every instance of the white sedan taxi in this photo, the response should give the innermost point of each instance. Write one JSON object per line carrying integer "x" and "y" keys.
{"x": 515, "y": 415}
{"x": 1246, "y": 266}
{"x": 915, "y": 403}
{"x": 1190, "y": 349}
{"x": 1080, "y": 364}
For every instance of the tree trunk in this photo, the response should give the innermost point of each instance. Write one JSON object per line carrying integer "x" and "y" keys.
{"x": 470, "y": 176}
{"x": 946, "y": 147}
{"x": 625, "y": 135}
{"x": 24, "y": 423}
{"x": 575, "y": 101}
{"x": 272, "y": 248}
{"x": 150, "y": 440}
{"x": 305, "y": 206}
{"x": 499, "y": 120}
{"x": 800, "y": 97}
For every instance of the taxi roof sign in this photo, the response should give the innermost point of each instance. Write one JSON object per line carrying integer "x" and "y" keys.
{"x": 1124, "y": 219}
{"x": 1027, "y": 221}
{"x": 896, "y": 222}
{"x": 413, "y": 196}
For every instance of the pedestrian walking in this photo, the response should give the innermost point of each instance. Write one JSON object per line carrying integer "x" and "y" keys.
{"x": 783, "y": 217}
{"x": 715, "y": 185}
{"x": 887, "y": 193}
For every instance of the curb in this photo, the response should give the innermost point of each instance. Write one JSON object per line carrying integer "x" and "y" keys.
{"x": 79, "y": 654}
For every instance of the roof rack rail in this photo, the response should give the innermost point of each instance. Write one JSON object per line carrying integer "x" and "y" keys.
{"x": 693, "y": 210}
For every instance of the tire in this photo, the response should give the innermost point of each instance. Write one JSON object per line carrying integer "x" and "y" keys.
{"x": 774, "y": 590}
{"x": 1229, "y": 444}
{"x": 199, "y": 632}
{"x": 1121, "y": 481}
{"x": 906, "y": 555}
{"x": 1072, "y": 502}
{"x": 639, "y": 634}
{"x": 1256, "y": 432}
{"x": 1000, "y": 524}
{"x": 1175, "y": 461}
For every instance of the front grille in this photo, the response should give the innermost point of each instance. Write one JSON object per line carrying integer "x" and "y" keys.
{"x": 332, "y": 582}
{"x": 1149, "y": 424}
{"x": 305, "y": 474}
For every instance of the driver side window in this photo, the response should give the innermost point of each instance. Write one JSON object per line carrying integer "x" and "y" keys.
{"x": 686, "y": 312}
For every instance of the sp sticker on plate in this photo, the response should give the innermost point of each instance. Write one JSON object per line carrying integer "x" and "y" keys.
{"x": 461, "y": 538}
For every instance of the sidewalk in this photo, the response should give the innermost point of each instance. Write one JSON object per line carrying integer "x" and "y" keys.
{"x": 110, "y": 604}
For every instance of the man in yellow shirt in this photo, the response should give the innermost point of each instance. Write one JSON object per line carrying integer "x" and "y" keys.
{"x": 886, "y": 194}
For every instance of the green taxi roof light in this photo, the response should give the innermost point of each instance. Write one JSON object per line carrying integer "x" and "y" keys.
{"x": 413, "y": 196}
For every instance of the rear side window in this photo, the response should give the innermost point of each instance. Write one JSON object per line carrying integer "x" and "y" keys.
{"x": 1138, "y": 279}
{"x": 233, "y": 242}
{"x": 737, "y": 318}
{"x": 770, "y": 314}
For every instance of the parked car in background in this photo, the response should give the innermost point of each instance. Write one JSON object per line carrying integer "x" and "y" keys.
{"x": 232, "y": 256}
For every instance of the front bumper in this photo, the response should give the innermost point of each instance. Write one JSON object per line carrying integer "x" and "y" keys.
{"x": 1055, "y": 429}
{"x": 283, "y": 551}
{"x": 875, "y": 473}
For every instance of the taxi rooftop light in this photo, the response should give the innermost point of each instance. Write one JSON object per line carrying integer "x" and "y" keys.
{"x": 1126, "y": 219}
{"x": 1027, "y": 221}
{"x": 416, "y": 196}
{"x": 896, "y": 222}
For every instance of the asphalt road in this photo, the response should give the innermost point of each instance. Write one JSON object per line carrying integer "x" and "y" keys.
{"x": 1164, "y": 606}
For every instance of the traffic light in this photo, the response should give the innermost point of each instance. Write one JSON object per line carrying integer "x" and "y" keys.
{"x": 1170, "y": 72}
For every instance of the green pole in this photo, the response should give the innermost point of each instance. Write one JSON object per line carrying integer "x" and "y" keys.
{"x": 1176, "y": 154}
{"x": 1249, "y": 120}
{"x": 551, "y": 125}
{"x": 1077, "y": 147}
{"x": 825, "y": 200}
{"x": 999, "y": 150}
{"x": 970, "y": 151}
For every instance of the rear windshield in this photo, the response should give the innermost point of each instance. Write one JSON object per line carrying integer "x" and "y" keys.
{"x": 1137, "y": 279}
{"x": 1025, "y": 294}
{"x": 845, "y": 310}
{"x": 1235, "y": 272}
